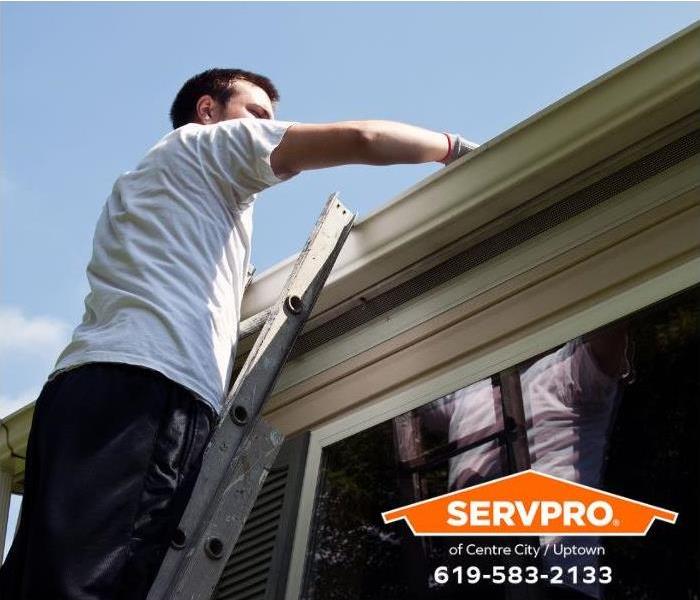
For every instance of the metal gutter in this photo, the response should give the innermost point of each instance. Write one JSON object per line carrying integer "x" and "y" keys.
{"x": 13, "y": 442}
{"x": 602, "y": 118}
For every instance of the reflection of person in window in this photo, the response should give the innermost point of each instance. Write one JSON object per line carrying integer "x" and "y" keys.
{"x": 570, "y": 397}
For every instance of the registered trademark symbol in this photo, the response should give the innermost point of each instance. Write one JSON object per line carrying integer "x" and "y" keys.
{"x": 616, "y": 522}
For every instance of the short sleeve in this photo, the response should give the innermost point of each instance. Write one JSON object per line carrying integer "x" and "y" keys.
{"x": 238, "y": 152}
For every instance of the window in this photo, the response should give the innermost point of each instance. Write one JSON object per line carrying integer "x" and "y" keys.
{"x": 616, "y": 408}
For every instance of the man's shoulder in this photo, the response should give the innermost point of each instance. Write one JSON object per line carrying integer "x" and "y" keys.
{"x": 248, "y": 126}
{"x": 174, "y": 143}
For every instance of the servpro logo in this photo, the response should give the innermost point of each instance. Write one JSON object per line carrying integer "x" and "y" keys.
{"x": 529, "y": 503}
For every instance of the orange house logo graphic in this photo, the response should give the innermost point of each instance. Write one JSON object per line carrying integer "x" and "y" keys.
{"x": 529, "y": 503}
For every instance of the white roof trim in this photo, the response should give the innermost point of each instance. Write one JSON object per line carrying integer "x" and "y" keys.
{"x": 619, "y": 108}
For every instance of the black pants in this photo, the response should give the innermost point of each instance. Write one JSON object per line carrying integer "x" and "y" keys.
{"x": 114, "y": 451}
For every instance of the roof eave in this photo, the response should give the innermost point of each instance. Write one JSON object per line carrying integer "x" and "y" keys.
{"x": 639, "y": 97}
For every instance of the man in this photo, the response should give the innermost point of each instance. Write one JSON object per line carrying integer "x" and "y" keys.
{"x": 119, "y": 428}
{"x": 570, "y": 397}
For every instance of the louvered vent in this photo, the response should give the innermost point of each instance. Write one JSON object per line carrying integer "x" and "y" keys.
{"x": 247, "y": 571}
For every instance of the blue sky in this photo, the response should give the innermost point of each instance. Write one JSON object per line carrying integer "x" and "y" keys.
{"x": 86, "y": 90}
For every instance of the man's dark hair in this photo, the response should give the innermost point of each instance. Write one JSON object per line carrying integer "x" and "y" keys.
{"x": 217, "y": 83}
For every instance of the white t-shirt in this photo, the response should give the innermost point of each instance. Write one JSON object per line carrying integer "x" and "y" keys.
{"x": 569, "y": 406}
{"x": 170, "y": 255}
{"x": 568, "y": 402}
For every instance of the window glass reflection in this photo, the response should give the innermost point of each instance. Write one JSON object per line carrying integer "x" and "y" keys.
{"x": 589, "y": 418}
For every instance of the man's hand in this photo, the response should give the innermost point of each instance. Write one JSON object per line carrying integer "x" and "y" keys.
{"x": 306, "y": 147}
{"x": 459, "y": 146}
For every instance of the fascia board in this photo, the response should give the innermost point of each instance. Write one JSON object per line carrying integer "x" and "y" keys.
{"x": 646, "y": 93}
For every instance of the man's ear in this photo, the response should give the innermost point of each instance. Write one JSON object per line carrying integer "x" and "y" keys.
{"x": 206, "y": 110}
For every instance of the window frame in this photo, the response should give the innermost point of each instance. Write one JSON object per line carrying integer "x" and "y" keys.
{"x": 656, "y": 202}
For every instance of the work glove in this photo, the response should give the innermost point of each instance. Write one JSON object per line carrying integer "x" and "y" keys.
{"x": 459, "y": 146}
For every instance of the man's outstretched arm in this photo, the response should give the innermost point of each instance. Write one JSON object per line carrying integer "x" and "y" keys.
{"x": 306, "y": 146}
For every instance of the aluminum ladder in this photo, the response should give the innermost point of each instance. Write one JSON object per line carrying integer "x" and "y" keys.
{"x": 243, "y": 447}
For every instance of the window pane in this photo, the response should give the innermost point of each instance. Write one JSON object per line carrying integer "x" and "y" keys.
{"x": 616, "y": 409}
